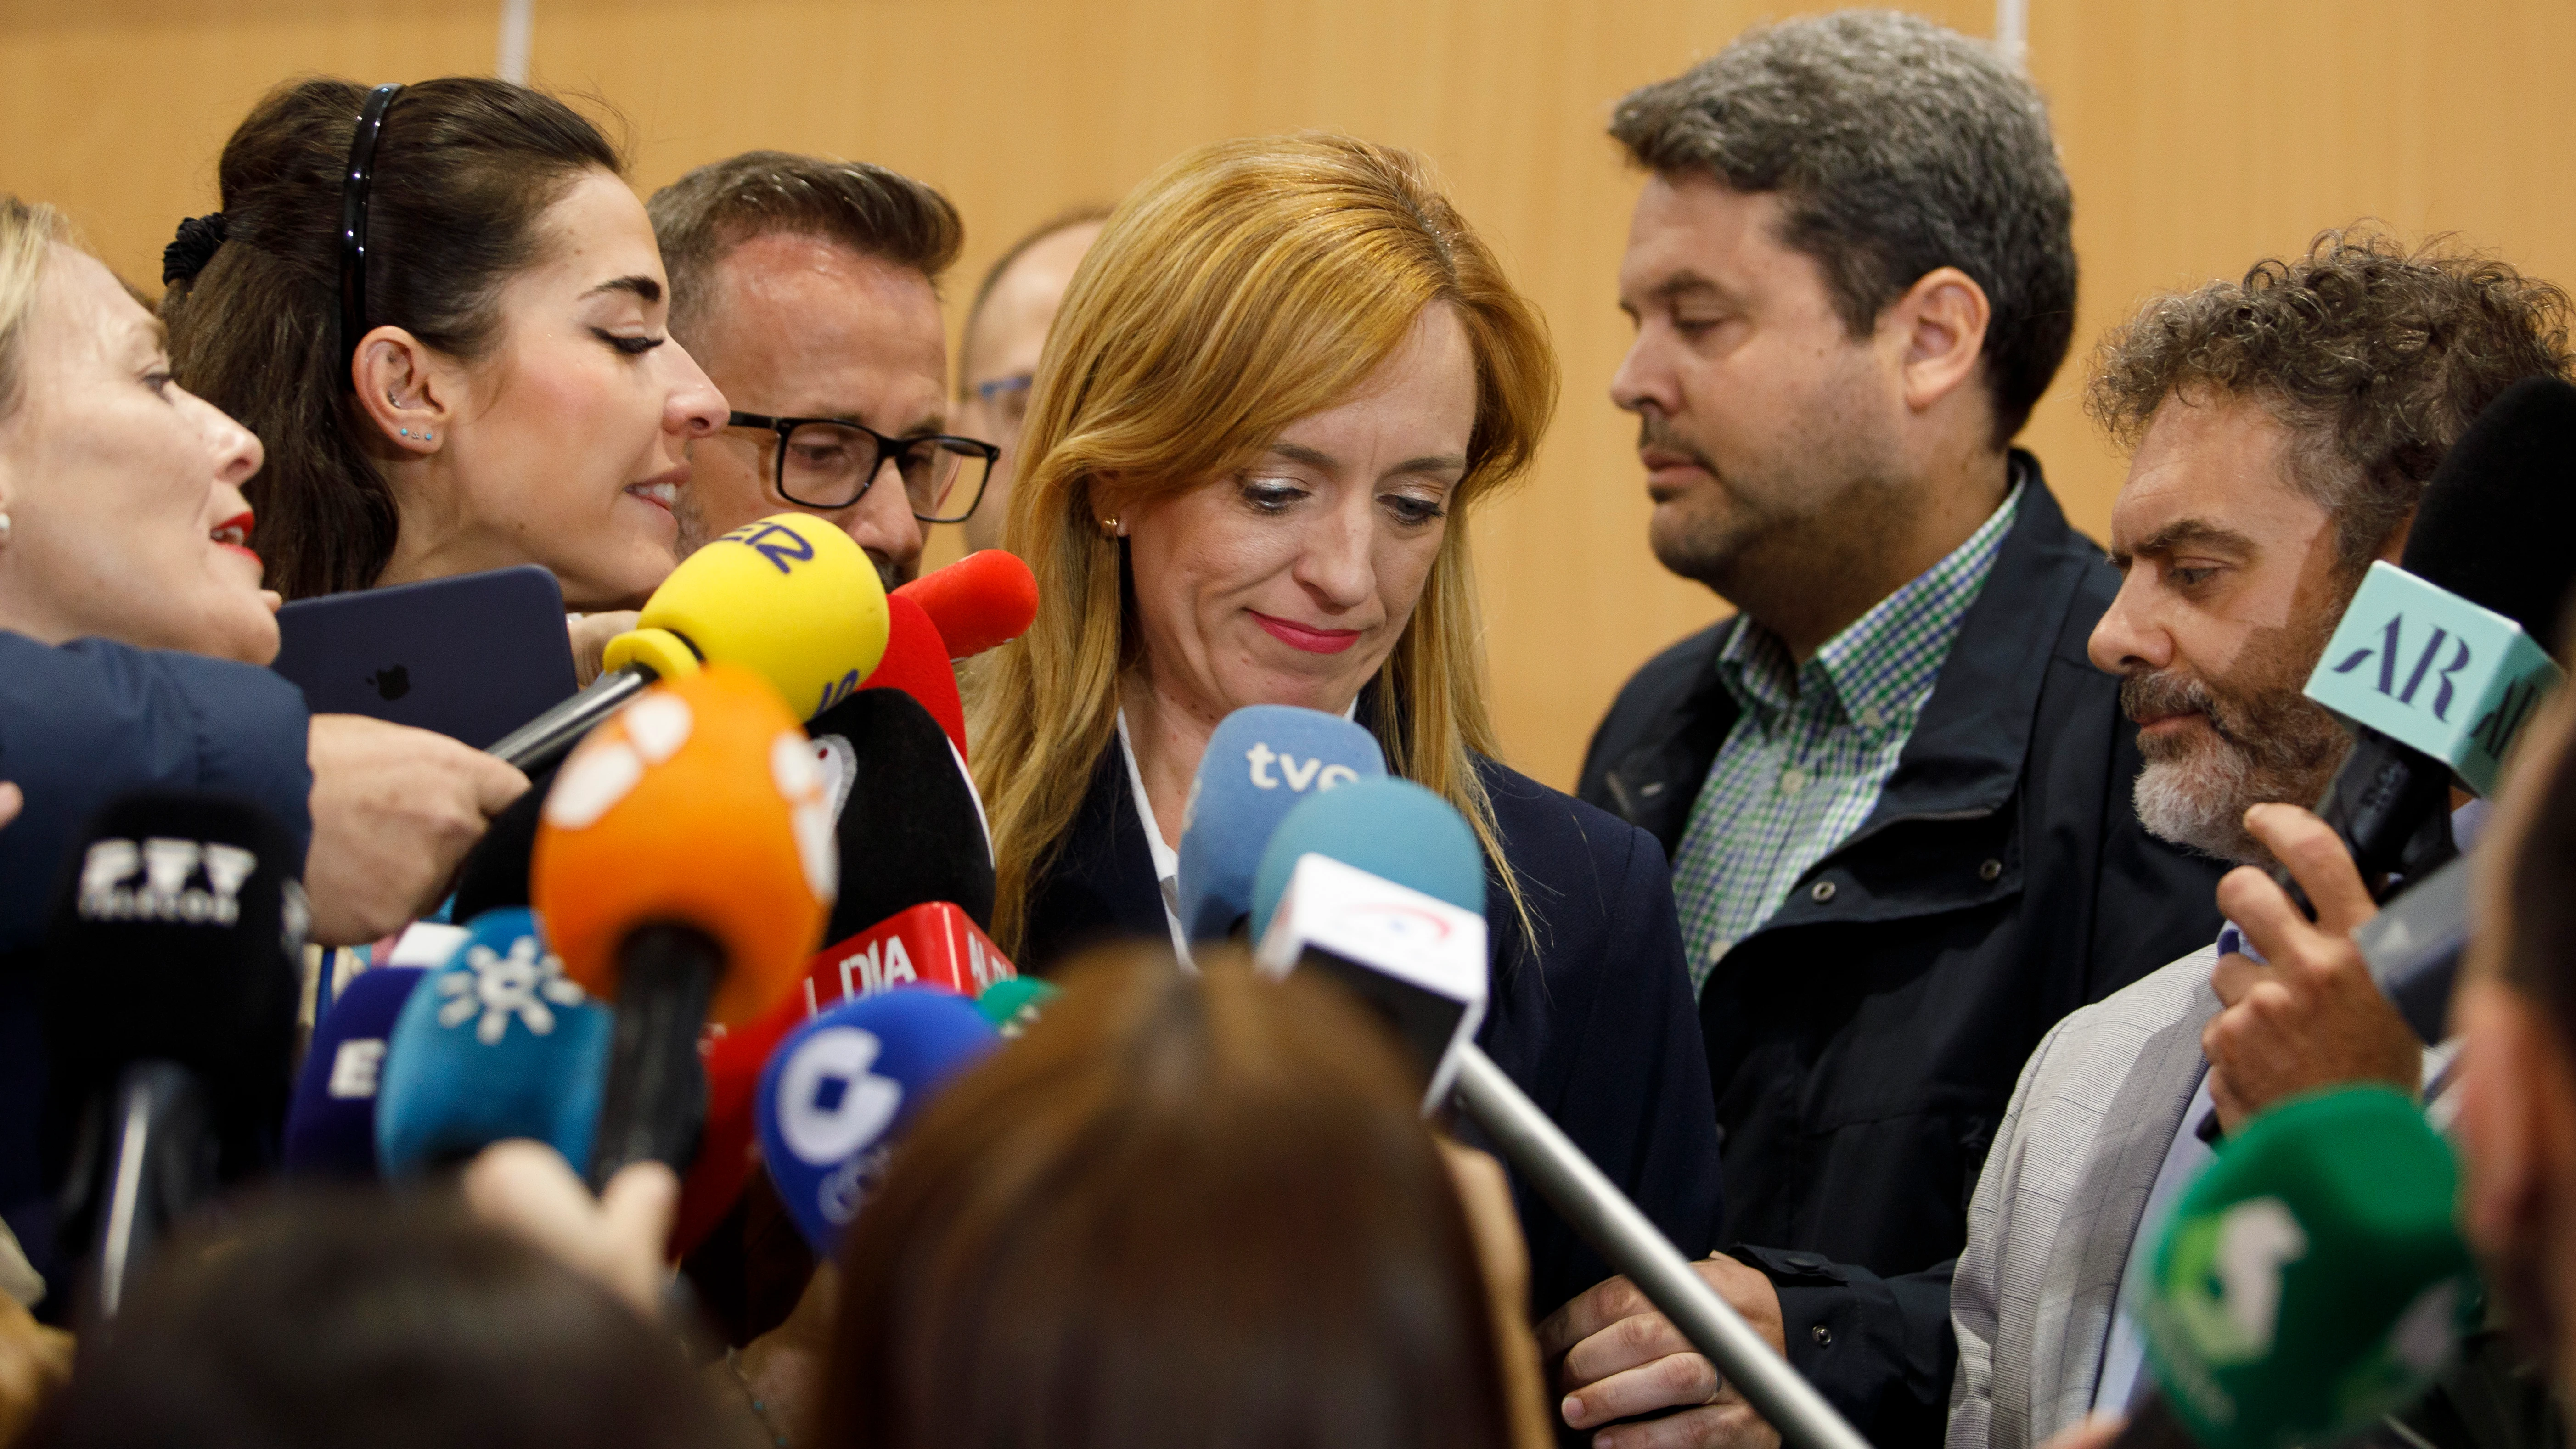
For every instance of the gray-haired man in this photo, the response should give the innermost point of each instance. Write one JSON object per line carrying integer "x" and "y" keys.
{"x": 1894, "y": 791}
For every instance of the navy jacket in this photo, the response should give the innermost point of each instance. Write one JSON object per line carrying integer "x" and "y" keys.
{"x": 1865, "y": 1040}
{"x": 1594, "y": 1021}
{"x": 80, "y": 725}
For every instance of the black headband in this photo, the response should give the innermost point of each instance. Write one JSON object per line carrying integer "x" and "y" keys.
{"x": 353, "y": 223}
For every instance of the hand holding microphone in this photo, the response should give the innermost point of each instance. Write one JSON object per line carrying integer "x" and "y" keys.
{"x": 2301, "y": 1011}
{"x": 682, "y": 868}
{"x": 789, "y": 597}
{"x": 395, "y": 809}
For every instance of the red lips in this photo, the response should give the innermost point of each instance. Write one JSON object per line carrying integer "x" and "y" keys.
{"x": 1301, "y": 636}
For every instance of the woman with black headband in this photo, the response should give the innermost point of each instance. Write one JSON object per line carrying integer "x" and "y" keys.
{"x": 441, "y": 308}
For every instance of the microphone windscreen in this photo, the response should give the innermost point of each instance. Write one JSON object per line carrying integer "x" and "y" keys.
{"x": 700, "y": 806}
{"x": 1014, "y": 1005}
{"x": 790, "y": 597}
{"x": 1260, "y": 761}
{"x": 908, "y": 825}
{"x": 331, "y": 1126}
{"x": 1391, "y": 828}
{"x": 2312, "y": 1278}
{"x": 178, "y": 937}
{"x": 916, "y": 662}
{"x": 2496, "y": 518}
{"x": 982, "y": 601}
{"x": 838, "y": 1093}
{"x": 933, "y": 944}
{"x": 498, "y": 1043}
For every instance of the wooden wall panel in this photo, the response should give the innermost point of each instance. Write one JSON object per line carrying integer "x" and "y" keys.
{"x": 2199, "y": 134}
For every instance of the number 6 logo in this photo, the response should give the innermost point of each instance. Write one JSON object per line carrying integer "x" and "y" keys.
{"x": 829, "y": 1104}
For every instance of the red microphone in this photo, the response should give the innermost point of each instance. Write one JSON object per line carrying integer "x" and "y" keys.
{"x": 983, "y": 600}
{"x": 916, "y": 661}
{"x": 932, "y": 944}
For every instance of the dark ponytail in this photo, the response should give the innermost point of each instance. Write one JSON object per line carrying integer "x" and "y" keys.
{"x": 463, "y": 170}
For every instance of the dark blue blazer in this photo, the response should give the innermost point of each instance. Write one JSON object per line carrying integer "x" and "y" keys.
{"x": 1594, "y": 1019}
{"x": 80, "y": 725}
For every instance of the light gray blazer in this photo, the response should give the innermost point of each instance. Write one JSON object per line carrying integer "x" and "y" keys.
{"x": 2059, "y": 1203}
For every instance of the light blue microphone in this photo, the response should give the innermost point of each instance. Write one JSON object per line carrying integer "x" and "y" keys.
{"x": 838, "y": 1093}
{"x": 1261, "y": 761}
{"x": 495, "y": 1044}
{"x": 1388, "y": 827}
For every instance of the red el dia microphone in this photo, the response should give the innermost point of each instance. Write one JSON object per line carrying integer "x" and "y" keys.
{"x": 916, "y": 661}
{"x": 933, "y": 944}
{"x": 980, "y": 602}
{"x": 683, "y": 865}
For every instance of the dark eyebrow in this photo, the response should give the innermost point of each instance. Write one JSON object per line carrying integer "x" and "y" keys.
{"x": 1316, "y": 458}
{"x": 2184, "y": 531}
{"x": 642, "y": 286}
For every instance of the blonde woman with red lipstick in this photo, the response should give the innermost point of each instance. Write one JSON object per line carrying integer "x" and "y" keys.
{"x": 1283, "y": 380}
{"x": 132, "y": 621}
{"x": 442, "y": 309}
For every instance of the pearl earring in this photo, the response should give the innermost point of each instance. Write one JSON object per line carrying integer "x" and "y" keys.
{"x": 4, "y": 528}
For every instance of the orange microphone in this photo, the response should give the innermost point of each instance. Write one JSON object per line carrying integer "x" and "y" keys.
{"x": 980, "y": 602}
{"x": 684, "y": 863}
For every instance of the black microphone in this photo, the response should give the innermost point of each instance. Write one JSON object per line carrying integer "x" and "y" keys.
{"x": 171, "y": 984}
{"x": 907, "y": 819}
{"x": 2438, "y": 662}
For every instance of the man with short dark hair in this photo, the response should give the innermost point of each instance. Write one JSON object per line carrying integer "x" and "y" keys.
{"x": 2283, "y": 428}
{"x": 1894, "y": 792}
{"x": 809, "y": 291}
{"x": 997, "y": 355}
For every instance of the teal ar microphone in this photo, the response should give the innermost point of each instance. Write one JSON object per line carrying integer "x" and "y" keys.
{"x": 2436, "y": 664}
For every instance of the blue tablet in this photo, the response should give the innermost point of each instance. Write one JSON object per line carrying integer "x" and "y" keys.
{"x": 474, "y": 656}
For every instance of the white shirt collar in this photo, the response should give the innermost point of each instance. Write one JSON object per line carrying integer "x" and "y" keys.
{"x": 1167, "y": 861}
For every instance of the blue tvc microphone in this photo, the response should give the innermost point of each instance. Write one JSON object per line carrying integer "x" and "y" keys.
{"x": 331, "y": 1125}
{"x": 1261, "y": 761}
{"x": 1416, "y": 955}
{"x": 837, "y": 1094}
{"x": 497, "y": 1043}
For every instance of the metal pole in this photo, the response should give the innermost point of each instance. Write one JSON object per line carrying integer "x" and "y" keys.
{"x": 1606, "y": 1219}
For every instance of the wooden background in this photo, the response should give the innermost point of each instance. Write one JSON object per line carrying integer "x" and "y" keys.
{"x": 2199, "y": 134}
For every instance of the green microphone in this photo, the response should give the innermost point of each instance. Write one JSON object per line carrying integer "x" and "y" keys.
{"x": 2310, "y": 1280}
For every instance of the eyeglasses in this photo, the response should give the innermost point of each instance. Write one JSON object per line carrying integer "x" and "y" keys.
{"x": 828, "y": 463}
{"x": 354, "y": 183}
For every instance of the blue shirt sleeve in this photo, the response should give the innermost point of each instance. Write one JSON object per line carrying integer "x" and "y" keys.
{"x": 85, "y": 722}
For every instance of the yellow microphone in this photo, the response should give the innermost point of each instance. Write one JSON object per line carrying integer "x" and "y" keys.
{"x": 791, "y": 598}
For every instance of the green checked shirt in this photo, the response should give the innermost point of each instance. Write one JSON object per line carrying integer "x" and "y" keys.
{"x": 1813, "y": 745}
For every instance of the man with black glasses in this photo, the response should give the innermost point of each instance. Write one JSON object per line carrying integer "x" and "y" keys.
{"x": 808, "y": 290}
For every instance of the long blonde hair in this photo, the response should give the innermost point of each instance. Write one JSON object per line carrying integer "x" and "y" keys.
{"x": 1244, "y": 286}
{"x": 27, "y": 231}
